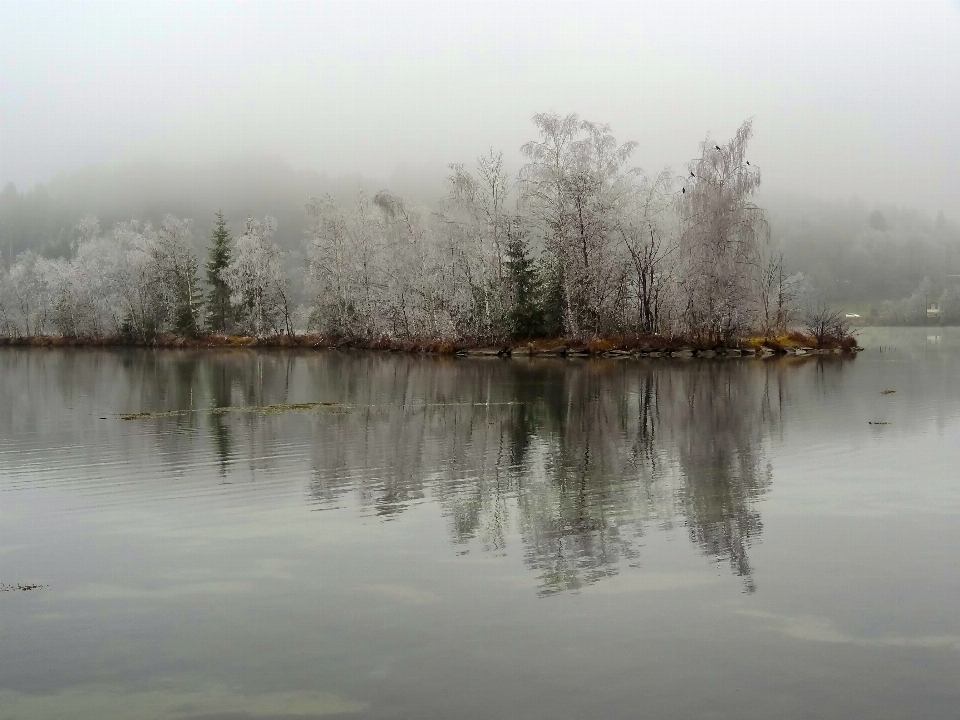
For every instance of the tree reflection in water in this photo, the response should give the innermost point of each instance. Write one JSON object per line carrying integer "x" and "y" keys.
{"x": 578, "y": 459}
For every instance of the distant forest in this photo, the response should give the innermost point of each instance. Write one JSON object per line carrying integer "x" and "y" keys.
{"x": 575, "y": 242}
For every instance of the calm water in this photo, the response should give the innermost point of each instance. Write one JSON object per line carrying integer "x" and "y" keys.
{"x": 481, "y": 538}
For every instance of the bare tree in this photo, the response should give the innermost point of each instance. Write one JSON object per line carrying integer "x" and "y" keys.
{"x": 776, "y": 293}
{"x": 826, "y": 324}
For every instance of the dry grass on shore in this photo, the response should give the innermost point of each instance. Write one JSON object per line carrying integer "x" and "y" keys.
{"x": 790, "y": 343}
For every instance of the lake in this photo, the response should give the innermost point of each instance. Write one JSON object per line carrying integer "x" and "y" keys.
{"x": 480, "y": 538}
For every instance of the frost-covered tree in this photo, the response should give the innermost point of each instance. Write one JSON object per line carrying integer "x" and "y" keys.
{"x": 573, "y": 187}
{"x": 482, "y": 198}
{"x": 155, "y": 277}
{"x": 85, "y": 295}
{"x": 776, "y": 293}
{"x": 257, "y": 282}
{"x": 543, "y": 187}
{"x": 477, "y": 223}
{"x": 722, "y": 234}
{"x": 86, "y": 289}
{"x": 138, "y": 281}
{"x": 7, "y": 324}
{"x": 176, "y": 268}
{"x": 344, "y": 273}
{"x": 26, "y": 295}
{"x": 4, "y": 320}
{"x": 647, "y": 229}
{"x": 417, "y": 298}
{"x": 380, "y": 268}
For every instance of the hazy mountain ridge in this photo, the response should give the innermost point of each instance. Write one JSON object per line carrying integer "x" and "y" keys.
{"x": 44, "y": 217}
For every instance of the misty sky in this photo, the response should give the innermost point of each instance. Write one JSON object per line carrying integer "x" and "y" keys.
{"x": 847, "y": 97}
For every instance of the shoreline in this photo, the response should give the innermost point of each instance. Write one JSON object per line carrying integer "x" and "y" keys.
{"x": 794, "y": 344}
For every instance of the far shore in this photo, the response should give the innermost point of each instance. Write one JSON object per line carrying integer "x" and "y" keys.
{"x": 793, "y": 344}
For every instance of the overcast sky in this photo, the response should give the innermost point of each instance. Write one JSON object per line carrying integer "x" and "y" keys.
{"x": 847, "y": 97}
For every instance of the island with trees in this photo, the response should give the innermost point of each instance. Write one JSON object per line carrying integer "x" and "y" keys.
{"x": 579, "y": 253}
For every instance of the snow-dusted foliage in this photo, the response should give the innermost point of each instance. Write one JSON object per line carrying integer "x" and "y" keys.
{"x": 136, "y": 280}
{"x": 647, "y": 228}
{"x": 722, "y": 236}
{"x": 176, "y": 268}
{"x": 346, "y": 274}
{"x": 574, "y": 187}
{"x": 255, "y": 276}
{"x": 382, "y": 268}
{"x": 25, "y": 297}
{"x": 579, "y": 243}
{"x": 416, "y": 298}
{"x": 476, "y": 231}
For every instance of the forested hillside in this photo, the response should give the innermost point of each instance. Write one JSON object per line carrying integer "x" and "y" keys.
{"x": 885, "y": 262}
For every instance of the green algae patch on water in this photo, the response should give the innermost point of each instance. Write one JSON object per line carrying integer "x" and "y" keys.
{"x": 281, "y": 407}
{"x": 257, "y": 409}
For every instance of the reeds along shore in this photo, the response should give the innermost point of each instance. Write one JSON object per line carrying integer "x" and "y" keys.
{"x": 624, "y": 346}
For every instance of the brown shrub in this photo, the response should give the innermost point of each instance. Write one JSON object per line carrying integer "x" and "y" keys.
{"x": 801, "y": 339}
{"x": 598, "y": 345}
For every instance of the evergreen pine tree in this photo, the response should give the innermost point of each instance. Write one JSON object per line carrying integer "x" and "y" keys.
{"x": 219, "y": 313}
{"x": 551, "y": 298}
{"x": 525, "y": 318}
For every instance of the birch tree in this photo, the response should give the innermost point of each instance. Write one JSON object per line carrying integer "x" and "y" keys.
{"x": 27, "y": 295}
{"x": 647, "y": 229}
{"x": 543, "y": 190}
{"x": 483, "y": 199}
{"x": 776, "y": 293}
{"x": 573, "y": 186}
{"x": 343, "y": 267}
{"x": 477, "y": 218}
{"x": 85, "y": 289}
{"x": 176, "y": 272}
{"x": 722, "y": 233}
{"x": 256, "y": 280}
{"x": 86, "y": 297}
{"x": 139, "y": 281}
{"x": 412, "y": 304}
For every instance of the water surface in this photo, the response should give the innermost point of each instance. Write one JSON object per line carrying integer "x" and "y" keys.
{"x": 478, "y": 538}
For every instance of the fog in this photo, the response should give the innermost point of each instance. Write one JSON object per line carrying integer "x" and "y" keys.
{"x": 848, "y": 98}
{"x": 127, "y": 111}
